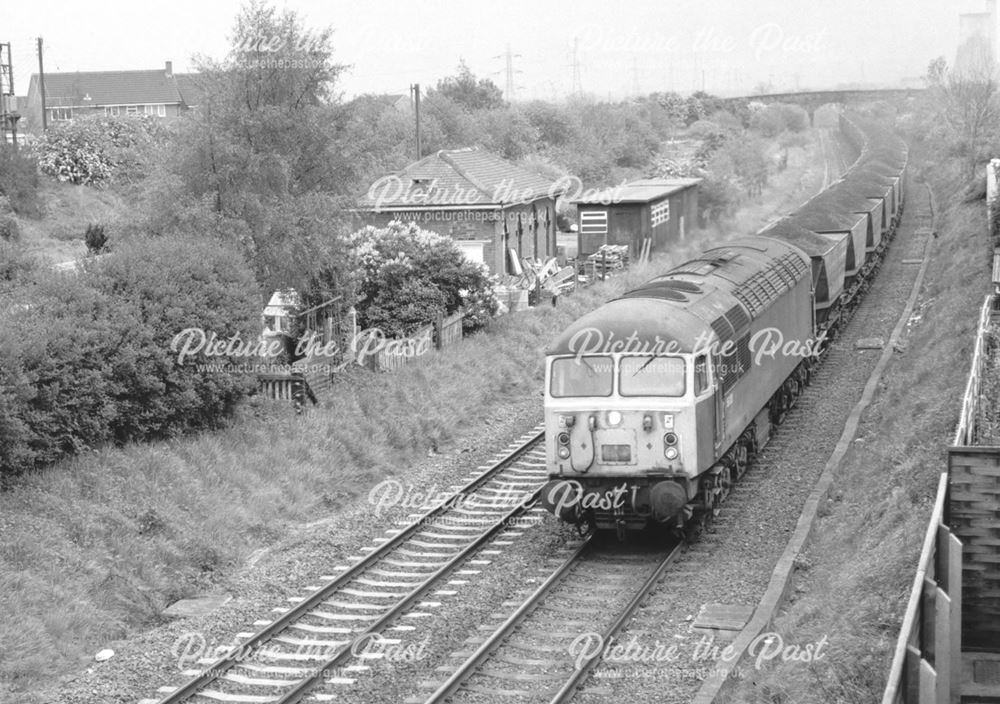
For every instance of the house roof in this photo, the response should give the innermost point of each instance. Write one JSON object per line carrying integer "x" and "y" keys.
{"x": 644, "y": 190}
{"x": 192, "y": 88}
{"x": 94, "y": 88}
{"x": 458, "y": 179}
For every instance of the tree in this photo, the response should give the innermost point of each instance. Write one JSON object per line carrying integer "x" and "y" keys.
{"x": 967, "y": 104}
{"x": 265, "y": 152}
{"x": 469, "y": 92}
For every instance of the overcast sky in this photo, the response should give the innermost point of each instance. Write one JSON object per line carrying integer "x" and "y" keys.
{"x": 725, "y": 46}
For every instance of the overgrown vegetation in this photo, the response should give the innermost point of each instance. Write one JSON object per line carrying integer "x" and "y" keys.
{"x": 87, "y": 359}
{"x": 412, "y": 276}
{"x": 18, "y": 184}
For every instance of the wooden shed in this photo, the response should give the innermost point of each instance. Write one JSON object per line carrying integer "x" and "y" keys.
{"x": 662, "y": 209}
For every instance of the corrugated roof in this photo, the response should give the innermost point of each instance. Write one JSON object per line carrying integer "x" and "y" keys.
{"x": 95, "y": 88}
{"x": 645, "y": 190}
{"x": 459, "y": 178}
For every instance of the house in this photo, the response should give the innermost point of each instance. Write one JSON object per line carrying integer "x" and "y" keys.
{"x": 159, "y": 92}
{"x": 661, "y": 209}
{"x": 494, "y": 209}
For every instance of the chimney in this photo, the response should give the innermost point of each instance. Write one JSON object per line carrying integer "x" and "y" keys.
{"x": 170, "y": 69}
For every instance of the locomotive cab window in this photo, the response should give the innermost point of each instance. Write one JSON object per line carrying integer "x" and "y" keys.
{"x": 651, "y": 376}
{"x": 700, "y": 375}
{"x": 582, "y": 376}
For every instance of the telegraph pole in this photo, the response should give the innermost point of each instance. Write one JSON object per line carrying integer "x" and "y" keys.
{"x": 41, "y": 83}
{"x": 415, "y": 90}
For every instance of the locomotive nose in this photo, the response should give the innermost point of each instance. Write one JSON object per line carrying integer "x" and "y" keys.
{"x": 667, "y": 499}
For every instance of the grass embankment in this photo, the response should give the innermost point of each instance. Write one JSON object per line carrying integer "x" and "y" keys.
{"x": 853, "y": 582}
{"x": 92, "y": 549}
{"x": 58, "y": 235}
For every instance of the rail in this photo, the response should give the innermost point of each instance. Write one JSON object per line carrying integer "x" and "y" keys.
{"x": 927, "y": 664}
{"x": 227, "y": 661}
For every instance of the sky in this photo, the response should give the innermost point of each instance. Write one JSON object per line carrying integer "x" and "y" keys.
{"x": 602, "y": 47}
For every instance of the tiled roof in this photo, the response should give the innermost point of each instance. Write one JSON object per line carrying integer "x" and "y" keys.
{"x": 110, "y": 88}
{"x": 644, "y": 190}
{"x": 458, "y": 178}
{"x": 191, "y": 87}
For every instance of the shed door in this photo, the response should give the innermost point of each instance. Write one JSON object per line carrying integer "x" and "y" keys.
{"x": 626, "y": 228}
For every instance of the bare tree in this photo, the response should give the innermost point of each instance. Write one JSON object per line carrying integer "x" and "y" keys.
{"x": 968, "y": 101}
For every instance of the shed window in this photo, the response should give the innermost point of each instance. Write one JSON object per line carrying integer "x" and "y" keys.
{"x": 594, "y": 222}
{"x": 660, "y": 213}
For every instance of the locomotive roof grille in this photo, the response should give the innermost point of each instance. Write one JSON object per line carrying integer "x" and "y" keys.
{"x": 764, "y": 287}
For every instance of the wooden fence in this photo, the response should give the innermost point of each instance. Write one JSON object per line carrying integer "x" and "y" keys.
{"x": 927, "y": 665}
{"x": 965, "y": 433}
{"x": 444, "y": 332}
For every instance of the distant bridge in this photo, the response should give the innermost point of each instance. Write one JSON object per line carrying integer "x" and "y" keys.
{"x": 811, "y": 100}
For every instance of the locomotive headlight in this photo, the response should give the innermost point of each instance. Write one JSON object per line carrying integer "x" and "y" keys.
{"x": 614, "y": 418}
{"x": 563, "y": 438}
{"x": 563, "y": 452}
{"x": 670, "y": 439}
{"x": 670, "y": 453}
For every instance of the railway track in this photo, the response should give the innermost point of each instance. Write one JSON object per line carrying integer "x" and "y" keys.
{"x": 548, "y": 645}
{"x": 314, "y": 645}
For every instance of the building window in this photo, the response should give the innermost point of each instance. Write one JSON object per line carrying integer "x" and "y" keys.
{"x": 133, "y": 109}
{"x": 113, "y": 110}
{"x": 161, "y": 110}
{"x": 61, "y": 114}
{"x": 660, "y": 213}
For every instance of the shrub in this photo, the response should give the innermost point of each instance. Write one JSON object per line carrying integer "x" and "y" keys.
{"x": 9, "y": 229}
{"x": 96, "y": 238}
{"x": 94, "y": 149}
{"x": 19, "y": 183}
{"x": 168, "y": 286}
{"x": 411, "y": 276}
{"x": 87, "y": 359}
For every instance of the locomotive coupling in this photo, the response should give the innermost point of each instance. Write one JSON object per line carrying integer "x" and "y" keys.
{"x": 667, "y": 499}
{"x": 562, "y": 498}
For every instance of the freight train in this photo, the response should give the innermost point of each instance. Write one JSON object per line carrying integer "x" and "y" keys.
{"x": 656, "y": 402}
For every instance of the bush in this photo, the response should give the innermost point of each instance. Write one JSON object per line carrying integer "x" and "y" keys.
{"x": 411, "y": 276}
{"x": 19, "y": 183}
{"x": 9, "y": 229}
{"x": 93, "y": 150}
{"x": 88, "y": 359}
{"x": 95, "y": 238}
{"x": 168, "y": 286}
